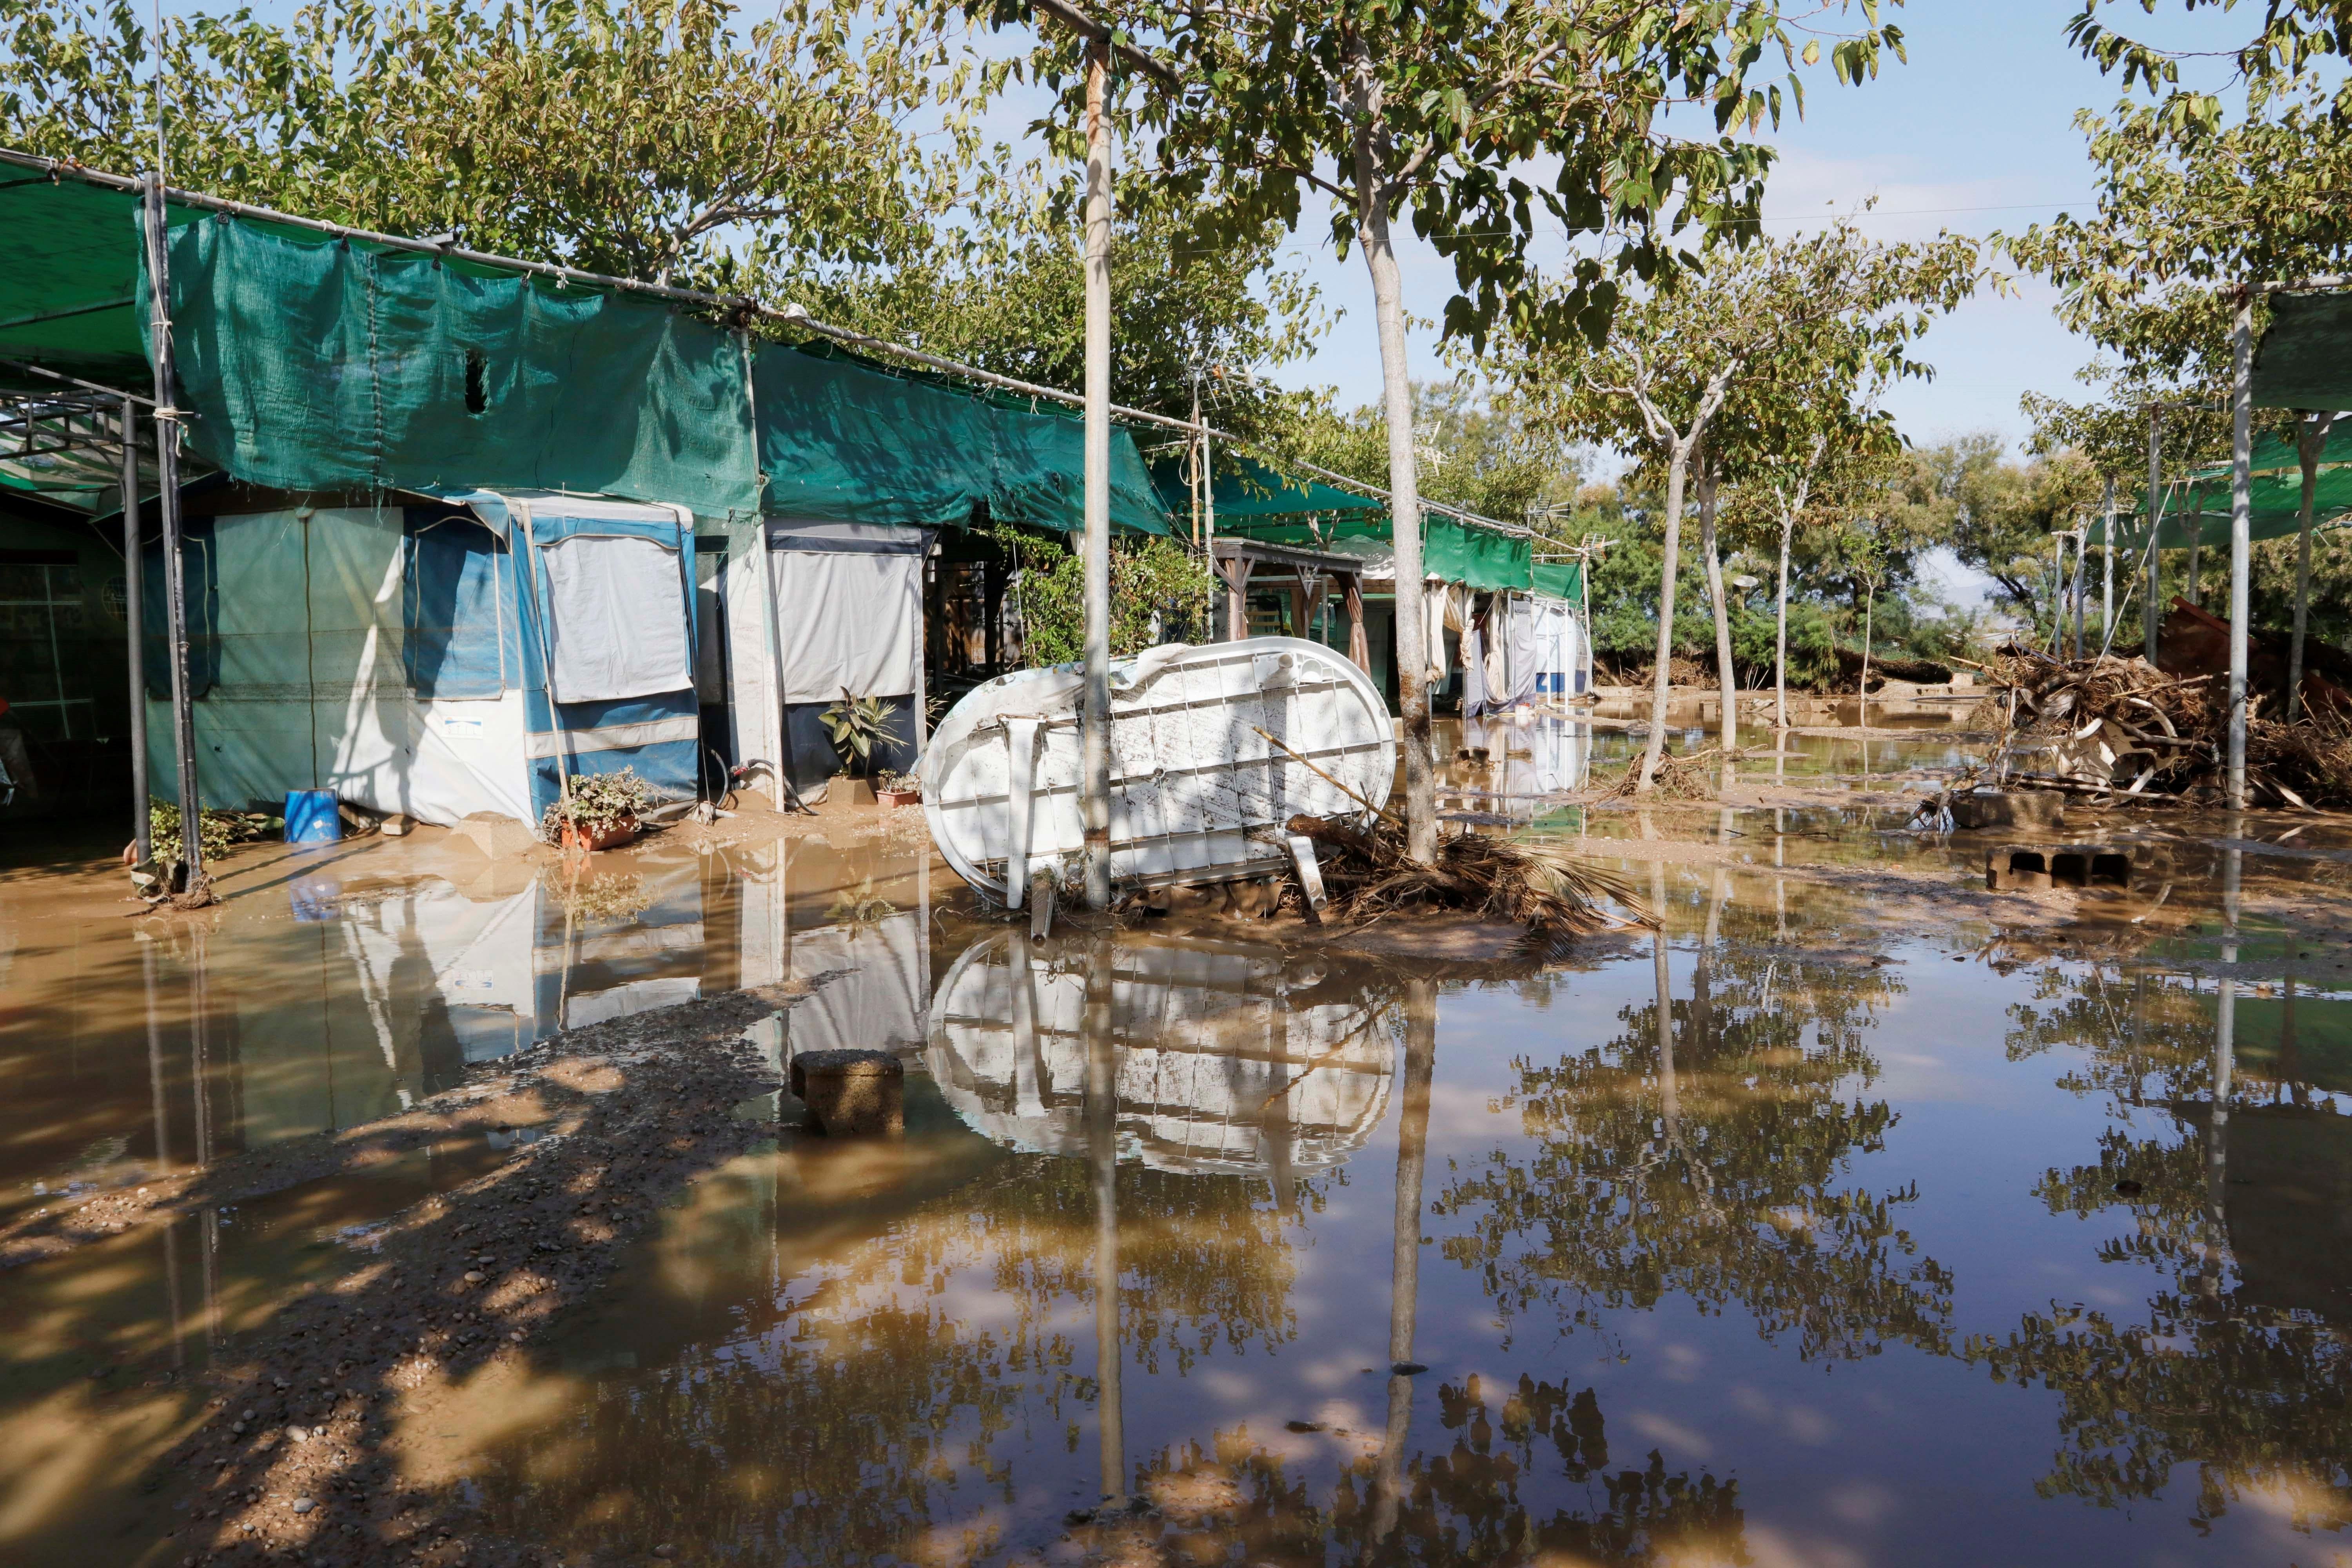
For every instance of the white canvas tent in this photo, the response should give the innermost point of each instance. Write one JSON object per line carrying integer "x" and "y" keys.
{"x": 847, "y": 612}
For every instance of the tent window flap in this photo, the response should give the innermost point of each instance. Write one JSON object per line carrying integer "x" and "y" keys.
{"x": 616, "y": 618}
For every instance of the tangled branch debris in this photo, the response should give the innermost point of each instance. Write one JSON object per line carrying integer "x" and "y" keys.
{"x": 1543, "y": 887}
{"x": 1681, "y": 777}
{"x": 2119, "y": 731}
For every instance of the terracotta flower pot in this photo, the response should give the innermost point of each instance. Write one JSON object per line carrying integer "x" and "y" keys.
{"x": 619, "y": 832}
{"x": 907, "y": 796}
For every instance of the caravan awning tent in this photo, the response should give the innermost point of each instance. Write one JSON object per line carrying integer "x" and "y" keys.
{"x": 437, "y": 659}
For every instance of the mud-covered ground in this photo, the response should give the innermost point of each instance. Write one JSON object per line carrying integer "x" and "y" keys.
{"x": 290, "y": 1453}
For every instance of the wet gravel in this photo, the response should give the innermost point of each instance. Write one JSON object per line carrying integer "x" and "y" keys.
{"x": 294, "y": 1455}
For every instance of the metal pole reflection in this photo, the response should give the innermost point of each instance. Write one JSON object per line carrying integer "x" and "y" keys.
{"x": 1102, "y": 1146}
{"x": 162, "y": 1141}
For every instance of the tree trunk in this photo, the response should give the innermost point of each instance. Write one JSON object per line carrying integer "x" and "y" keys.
{"x": 1404, "y": 512}
{"x": 1780, "y": 635}
{"x": 1869, "y": 602}
{"x": 1677, "y": 470}
{"x": 1727, "y": 677}
{"x": 2311, "y": 441}
{"x": 1094, "y": 713}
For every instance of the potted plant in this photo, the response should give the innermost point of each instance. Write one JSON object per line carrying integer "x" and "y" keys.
{"x": 858, "y": 725}
{"x": 599, "y": 810}
{"x": 895, "y": 789}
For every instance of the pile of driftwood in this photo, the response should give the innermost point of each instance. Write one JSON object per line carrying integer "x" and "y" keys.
{"x": 1557, "y": 896}
{"x": 2120, "y": 730}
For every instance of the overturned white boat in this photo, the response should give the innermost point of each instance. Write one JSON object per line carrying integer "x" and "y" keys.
{"x": 1212, "y": 751}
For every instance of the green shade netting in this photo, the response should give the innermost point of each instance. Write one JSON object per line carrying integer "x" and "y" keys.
{"x": 70, "y": 273}
{"x": 2274, "y": 455}
{"x": 843, "y": 439}
{"x": 2305, "y": 360}
{"x": 1248, "y": 491}
{"x": 1477, "y": 556}
{"x": 314, "y": 363}
{"x": 1559, "y": 579}
{"x": 2199, "y": 513}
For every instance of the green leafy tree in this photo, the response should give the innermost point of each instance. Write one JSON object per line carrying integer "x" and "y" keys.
{"x": 1718, "y": 376}
{"x": 662, "y": 141}
{"x": 1443, "y": 110}
{"x": 2197, "y": 215}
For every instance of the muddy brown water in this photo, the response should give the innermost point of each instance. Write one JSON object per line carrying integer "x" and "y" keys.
{"x": 1815, "y": 1233}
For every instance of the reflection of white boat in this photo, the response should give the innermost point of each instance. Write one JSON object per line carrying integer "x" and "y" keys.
{"x": 1216, "y": 1070}
{"x": 1197, "y": 789}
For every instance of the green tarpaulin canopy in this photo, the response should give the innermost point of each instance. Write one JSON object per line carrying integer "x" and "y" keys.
{"x": 1477, "y": 556}
{"x": 843, "y": 439}
{"x": 70, "y": 273}
{"x": 312, "y": 362}
{"x": 1559, "y": 579}
{"x": 316, "y": 364}
{"x": 1249, "y": 493}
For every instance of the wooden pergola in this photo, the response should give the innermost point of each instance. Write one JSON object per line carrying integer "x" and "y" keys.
{"x": 1307, "y": 575}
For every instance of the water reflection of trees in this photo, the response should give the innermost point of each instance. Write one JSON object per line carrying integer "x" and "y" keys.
{"x": 1488, "y": 1495}
{"x": 1704, "y": 1151}
{"x": 2238, "y": 1359}
{"x": 887, "y": 1349}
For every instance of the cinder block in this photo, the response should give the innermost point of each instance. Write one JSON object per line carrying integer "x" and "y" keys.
{"x": 852, "y": 1091}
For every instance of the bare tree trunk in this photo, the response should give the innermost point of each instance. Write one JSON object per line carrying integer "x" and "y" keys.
{"x": 1869, "y": 602}
{"x": 1780, "y": 633}
{"x": 1677, "y": 470}
{"x": 1094, "y": 713}
{"x": 1727, "y": 677}
{"x": 2310, "y": 442}
{"x": 1404, "y": 502}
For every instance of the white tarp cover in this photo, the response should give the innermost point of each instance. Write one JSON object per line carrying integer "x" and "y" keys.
{"x": 1556, "y": 655}
{"x": 849, "y": 608}
{"x": 616, "y": 618}
{"x": 312, "y": 691}
{"x": 1521, "y": 649}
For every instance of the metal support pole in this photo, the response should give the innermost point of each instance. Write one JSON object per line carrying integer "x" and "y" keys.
{"x": 2152, "y": 613}
{"x": 134, "y": 593}
{"x": 2082, "y": 534}
{"x": 2107, "y": 574}
{"x": 167, "y": 503}
{"x": 2241, "y": 452}
{"x": 1095, "y": 716}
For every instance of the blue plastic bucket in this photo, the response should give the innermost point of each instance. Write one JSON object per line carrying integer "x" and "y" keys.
{"x": 311, "y": 816}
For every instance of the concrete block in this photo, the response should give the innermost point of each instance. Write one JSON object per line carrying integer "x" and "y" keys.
{"x": 2032, "y": 867}
{"x": 2007, "y": 808}
{"x": 498, "y": 837}
{"x": 852, "y": 1092}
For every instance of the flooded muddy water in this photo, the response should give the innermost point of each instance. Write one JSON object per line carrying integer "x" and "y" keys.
{"x": 1813, "y": 1231}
